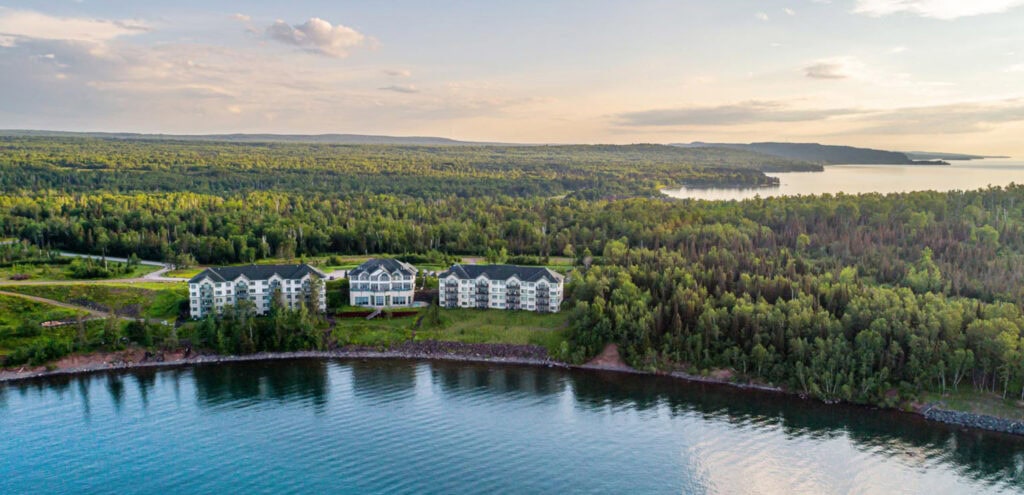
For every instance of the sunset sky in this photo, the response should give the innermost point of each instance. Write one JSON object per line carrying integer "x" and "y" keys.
{"x": 940, "y": 75}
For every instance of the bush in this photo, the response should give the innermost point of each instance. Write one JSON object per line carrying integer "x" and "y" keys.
{"x": 140, "y": 333}
{"x": 41, "y": 351}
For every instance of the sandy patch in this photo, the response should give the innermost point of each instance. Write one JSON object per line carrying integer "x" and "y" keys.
{"x": 608, "y": 359}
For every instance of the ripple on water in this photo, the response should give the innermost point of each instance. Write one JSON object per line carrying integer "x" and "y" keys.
{"x": 404, "y": 427}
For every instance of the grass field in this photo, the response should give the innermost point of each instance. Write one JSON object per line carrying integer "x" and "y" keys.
{"x": 60, "y": 272}
{"x": 969, "y": 400}
{"x": 150, "y": 300}
{"x": 184, "y": 272}
{"x": 459, "y": 325}
{"x": 20, "y": 321}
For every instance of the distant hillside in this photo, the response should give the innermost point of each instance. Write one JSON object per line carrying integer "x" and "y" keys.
{"x": 254, "y": 138}
{"x": 821, "y": 153}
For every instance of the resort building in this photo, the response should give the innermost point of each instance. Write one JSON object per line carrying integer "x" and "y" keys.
{"x": 529, "y": 288}
{"x": 382, "y": 283}
{"x": 216, "y": 288}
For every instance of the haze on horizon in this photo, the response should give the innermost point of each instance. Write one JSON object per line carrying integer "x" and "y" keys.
{"x": 897, "y": 74}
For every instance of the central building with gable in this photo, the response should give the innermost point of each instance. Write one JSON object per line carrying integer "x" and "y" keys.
{"x": 382, "y": 283}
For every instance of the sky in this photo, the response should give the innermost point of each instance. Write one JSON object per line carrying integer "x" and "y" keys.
{"x": 936, "y": 75}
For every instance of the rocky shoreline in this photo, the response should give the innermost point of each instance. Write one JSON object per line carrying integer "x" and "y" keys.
{"x": 526, "y": 355}
{"x": 972, "y": 420}
{"x": 427, "y": 350}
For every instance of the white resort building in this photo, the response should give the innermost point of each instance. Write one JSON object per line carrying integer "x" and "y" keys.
{"x": 216, "y": 288}
{"x": 529, "y": 288}
{"x": 382, "y": 283}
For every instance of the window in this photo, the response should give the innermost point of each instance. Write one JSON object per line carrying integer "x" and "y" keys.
{"x": 362, "y": 301}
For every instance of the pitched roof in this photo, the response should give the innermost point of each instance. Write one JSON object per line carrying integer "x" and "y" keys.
{"x": 255, "y": 272}
{"x": 503, "y": 272}
{"x": 387, "y": 264}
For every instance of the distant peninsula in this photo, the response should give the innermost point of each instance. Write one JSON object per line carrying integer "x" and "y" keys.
{"x": 254, "y": 138}
{"x": 823, "y": 153}
{"x": 931, "y": 155}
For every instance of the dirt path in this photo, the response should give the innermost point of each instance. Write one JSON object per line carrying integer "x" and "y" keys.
{"x": 609, "y": 359}
{"x": 156, "y": 276}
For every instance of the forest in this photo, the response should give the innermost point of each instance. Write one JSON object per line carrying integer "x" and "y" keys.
{"x": 340, "y": 171}
{"x": 871, "y": 298}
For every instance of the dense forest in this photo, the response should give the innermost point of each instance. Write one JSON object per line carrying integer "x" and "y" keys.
{"x": 340, "y": 171}
{"x": 871, "y": 298}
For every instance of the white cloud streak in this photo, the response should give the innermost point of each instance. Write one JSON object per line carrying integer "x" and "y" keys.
{"x": 17, "y": 24}
{"x": 936, "y": 9}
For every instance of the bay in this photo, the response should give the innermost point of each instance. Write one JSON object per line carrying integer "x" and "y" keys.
{"x": 884, "y": 179}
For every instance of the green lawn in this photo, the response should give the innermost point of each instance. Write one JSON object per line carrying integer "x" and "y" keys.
{"x": 20, "y": 321}
{"x": 149, "y": 300}
{"x": 488, "y": 326}
{"x": 459, "y": 325}
{"x": 969, "y": 400}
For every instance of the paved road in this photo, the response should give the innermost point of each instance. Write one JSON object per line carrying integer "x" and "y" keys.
{"x": 111, "y": 258}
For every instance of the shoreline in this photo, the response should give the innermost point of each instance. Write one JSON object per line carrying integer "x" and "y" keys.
{"x": 505, "y": 354}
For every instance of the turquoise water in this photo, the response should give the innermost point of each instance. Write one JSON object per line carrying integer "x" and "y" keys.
{"x": 310, "y": 426}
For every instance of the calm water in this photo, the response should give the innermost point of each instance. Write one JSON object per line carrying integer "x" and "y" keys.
{"x": 854, "y": 179}
{"x": 415, "y": 427}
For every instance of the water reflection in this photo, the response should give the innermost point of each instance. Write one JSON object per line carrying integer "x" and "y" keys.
{"x": 983, "y": 455}
{"x": 115, "y": 386}
{"x": 460, "y": 378}
{"x": 717, "y": 429}
{"x": 145, "y": 379}
{"x": 241, "y": 384}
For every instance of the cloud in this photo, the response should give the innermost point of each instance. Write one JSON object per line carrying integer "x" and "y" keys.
{"x": 935, "y": 9}
{"x": 739, "y": 113}
{"x": 21, "y": 24}
{"x": 318, "y": 36}
{"x": 825, "y": 70}
{"x": 407, "y": 88}
{"x": 1014, "y": 68}
{"x": 835, "y": 68}
{"x": 397, "y": 72}
{"x": 761, "y": 16}
{"x": 789, "y": 11}
{"x": 955, "y": 118}
{"x": 241, "y": 17}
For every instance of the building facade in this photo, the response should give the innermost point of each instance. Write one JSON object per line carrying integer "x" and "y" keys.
{"x": 382, "y": 283}
{"x": 224, "y": 287}
{"x": 527, "y": 288}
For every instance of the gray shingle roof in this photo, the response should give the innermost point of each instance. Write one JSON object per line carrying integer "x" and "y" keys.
{"x": 389, "y": 265}
{"x": 255, "y": 272}
{"x": 503, "y": 272}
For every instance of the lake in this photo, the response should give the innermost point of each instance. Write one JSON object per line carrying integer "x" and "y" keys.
{"x": 311, "y": 426}
{"x": 856, "y": 179}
